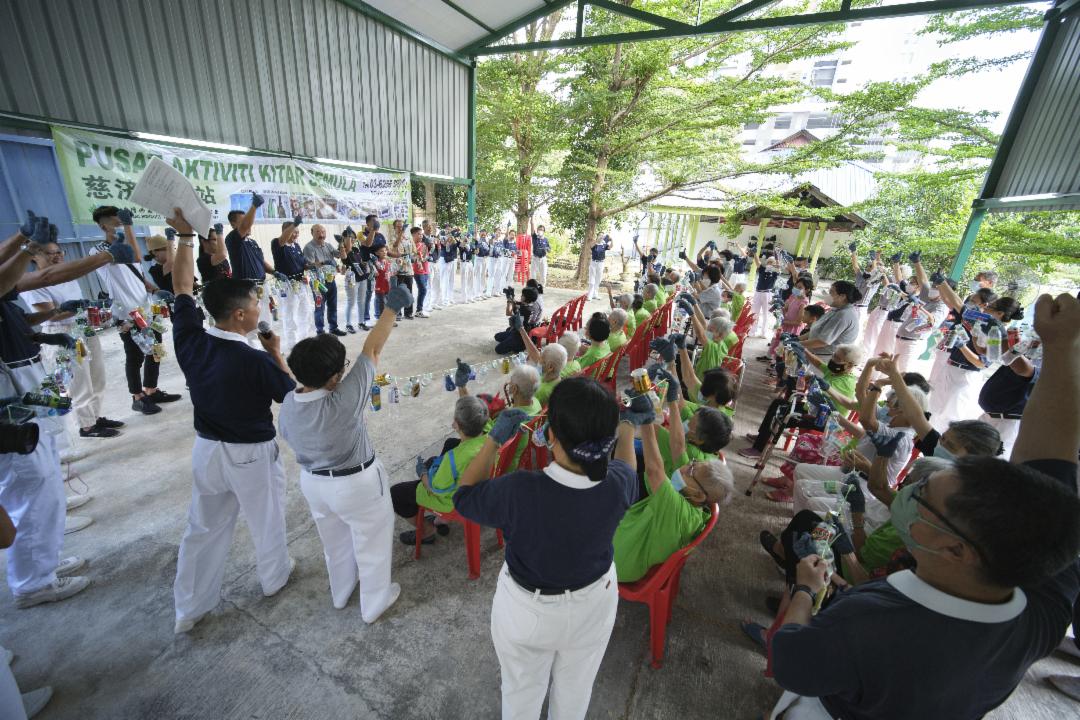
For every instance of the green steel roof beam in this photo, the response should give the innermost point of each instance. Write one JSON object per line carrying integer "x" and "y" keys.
{"x": 467, "y": 16}
{"x": 642, "y": 15}
{"x": 744, "y": 9}
{"x": 515, "y": 25}
{"x": 716, "y": 26}
{"x": 377, "y": 15}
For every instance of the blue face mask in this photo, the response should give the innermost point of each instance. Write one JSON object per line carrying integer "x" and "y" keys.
{"x": 941, "y": 452}
{"x": 676, "y": 480}
{"x": 686, "y": 427}
{"x": 883, "y": 415}
{"x": 796, "y": 292}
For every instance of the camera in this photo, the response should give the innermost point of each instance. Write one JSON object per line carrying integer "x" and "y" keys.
{"x": 16, "y": 434}
{"x": 509, "y": 293}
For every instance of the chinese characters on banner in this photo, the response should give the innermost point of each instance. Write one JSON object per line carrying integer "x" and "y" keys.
{"x": 100, "y": 169}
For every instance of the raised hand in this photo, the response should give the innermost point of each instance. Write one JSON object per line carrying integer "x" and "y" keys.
{"x": 885, "y": 443}
{"x": 121, "y": 253}
{"x": 461, "y": 375}
{"x": 41, "y": 232}
{"x": 257, "y": 200}
{"x": 640, "y": 411}
{"x": 297, "y": 219}
{"x": 170, "y": 234}
{"x": 682, "y": 254}
{"x": 27, "y": 228}
{"x": 853, "y": 493}
{"x": 915, "y": 258}
{"x": 398, "y": 298}
{"x": 54, "y": 233}
{"x": 678, "y": 340}
{"x": 895, "y": 257}
{"x": 853, "y": 246}
{"x": 688, "y": 298}
{"x": 664, "y": 348}
{"x": 507, "y": 424}
{"x": 219, "y": 229}
{"x": 685, "y": 306}
{"x": 937, "y": 278}
{"x": 126, "y": 216}
{"x": 421, "y": 466}
{"x": 659, "y": 372}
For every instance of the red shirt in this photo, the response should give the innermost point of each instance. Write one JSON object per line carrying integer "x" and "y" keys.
{"x": 382, "y": 277}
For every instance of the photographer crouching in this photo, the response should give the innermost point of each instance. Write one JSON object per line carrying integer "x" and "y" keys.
{"x": 525, "y": 313}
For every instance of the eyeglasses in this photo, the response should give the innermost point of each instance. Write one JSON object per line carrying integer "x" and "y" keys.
{"x": 345, "y": 367}
{"x": 950, "y": 527}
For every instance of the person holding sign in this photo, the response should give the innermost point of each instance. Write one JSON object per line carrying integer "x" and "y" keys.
{"x": 236, "y": 463}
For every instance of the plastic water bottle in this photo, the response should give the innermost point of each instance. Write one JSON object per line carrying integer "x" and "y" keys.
{"x": 994, "y": 339}
{"x": 830, "y": 445}
{"x": 800, "y": 381}
{"x": 376, "y": 398}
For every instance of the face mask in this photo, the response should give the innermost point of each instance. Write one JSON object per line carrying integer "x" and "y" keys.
{"x": 933, "y": 294}
{"x": 686, "y": 428}
{"x": 882, "y": 415}
{"x": 676, "y": 480}
{"x": 796, "y": 292}
{"x": 941, "y": 452}
{"x": 701, "y": 400}
{"x": 905, "y": 513}
{"x": 836, "y": 367}
{"x": 974, "y": 286}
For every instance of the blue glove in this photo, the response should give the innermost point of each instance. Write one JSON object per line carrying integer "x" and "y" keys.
{"x": 853, "y": 246}
{"x": 841, "y": 544}
{"x": 41, "y": 232}
{"x": 822, "y": 384}
{"x": 219, "y": 229}
{"x": 170, "y": 234}
{"x": 688, "y": 298}
{"x": 895, "y": 257}
{"x": 506, "y": 425}
{"x": 640, "y": 412}
{"x": 461, "y": 376}
{"x": 59, "y": 339}
{"x": 853, "y": 493}
{"x": 296, "y": 220}
{"x": 72, "y": 306}
{"x": 664, "y": 347}
{"x": 884, "y": 443}
{"x": 421, "y": 466}
{"x": 711, "y": 244}
{"x": 658, "y": 372}
{"x": 27, "y": 228}
{"x": 164, "y": 295}
{"x": 348, "y": 231}
{"x": 257, "y": 200}
{"x": 678, "y": 340}
{"x": 281, "y": 276}
{"x": 937, "y": 278}
{"x": 516, "y": 322}
{"x": 121, "y": 253}
{"x": 682, "y": 254}
{"x": 54, "y": 233}
{"x": 686, "y": 307}
{"x": 398, "y": 298}
{"x": 915, "y": 257}
{"x": 126, "y": 216}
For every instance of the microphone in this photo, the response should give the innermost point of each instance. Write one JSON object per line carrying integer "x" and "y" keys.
{"x": 264, "y": 329}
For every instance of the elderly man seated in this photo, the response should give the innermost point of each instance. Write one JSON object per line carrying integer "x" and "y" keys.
{"x": 571, "y": 342}
{"x": 617, "y": 320}
{"x": 649, "y": 294}
{"x": 438, "y": 477}
{"x": 551, "y": 362}
{"x": 670, "y": 513}
{"x": 597, "y": 330}
{"x": 716, "y": 336}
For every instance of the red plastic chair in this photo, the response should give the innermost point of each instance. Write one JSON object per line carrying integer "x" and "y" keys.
{"x": 659, "y": 588}
{"x": 576, "y": 312}
{"x": 559, "y": 323}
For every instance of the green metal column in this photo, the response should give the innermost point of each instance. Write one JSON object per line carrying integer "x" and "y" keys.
{"x": 967, "y": 244}
{"x": 695, "y": 223}
{"x": 815, "y": 247}
{"x": 801, "y": 238}
{"x": 472, "y": 148}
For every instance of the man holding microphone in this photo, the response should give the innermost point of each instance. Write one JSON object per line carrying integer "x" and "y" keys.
{"x": 236, "y": 464}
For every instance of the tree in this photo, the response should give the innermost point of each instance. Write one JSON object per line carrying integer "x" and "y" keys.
{"x": 451, "y": 202}
{"x": 667, "y": 106}
{"x": 521, "y": 129}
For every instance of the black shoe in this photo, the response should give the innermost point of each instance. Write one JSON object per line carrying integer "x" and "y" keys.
{"x": 768, "y": 540}
{"x": 408, "y": 317}
{"x": 98, "y": 432}
{"x": 160, "y": 396}
{"x": 337, "y": 332}
{"x": 441, "y": 528}
{"x": 320, "y": 332}
{"x": 107, "y": 423}
{"x": 409, "y": 538}
{"x": 144, "y": 406}
{"x": 365, "y": 327}
{"x": 351, "y": 329}
{"x": 772, "y": 602}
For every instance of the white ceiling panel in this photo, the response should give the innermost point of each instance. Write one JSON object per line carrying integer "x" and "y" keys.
{"x": 444, "y": 24}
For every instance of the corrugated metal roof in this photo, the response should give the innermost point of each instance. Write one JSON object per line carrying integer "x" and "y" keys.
{"x": 1044, "y": 156}
{"x": 309, "y": 77}
{"x": 457, "y": 23}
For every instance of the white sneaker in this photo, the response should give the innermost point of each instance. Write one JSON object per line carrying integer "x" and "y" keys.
{"x": 75, "y": 523}
{"x": 36, "y": 700}
{"x": 77, "y": 501}
{"x": 62, "y": 589}
{"x": 394, "y": 594}
{"x": 72, "y": 454}
{"x": 185, "y": 625}
{"x": 7, "y": 656}
{"x": 292, "y": 566}
{"x": 69, "y": 565}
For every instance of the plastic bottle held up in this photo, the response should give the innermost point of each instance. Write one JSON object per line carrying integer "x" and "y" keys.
{"x": 800, "y": 382}
{"x": 993, "y": 343}
{"x": 376, "y": 398}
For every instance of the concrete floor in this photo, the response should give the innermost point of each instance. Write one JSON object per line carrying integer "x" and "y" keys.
{"x": 110, "y": 652}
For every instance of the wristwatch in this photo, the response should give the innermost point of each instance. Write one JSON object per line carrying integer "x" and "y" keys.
{"x": 25, "y": 247}
{"x": 803, "y": 588}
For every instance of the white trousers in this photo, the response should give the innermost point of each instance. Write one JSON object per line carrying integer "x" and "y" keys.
{"x": 1008, "y": 430}
{"x": 230, "y": 478}
{"x": 874, "y": 321}
{"x": 32, "y": 492}
{"x": 907, "y": 351}
{"x": 759, "y": 305}
{"x": 88, "y": 378}
{"x": 490, "y": 263}
{"x": 556, "y": 638}
{"x": 305, "y": 313}
{"x": 860, "y": 312}
{"x": 941, "y": 361}
{"x": 503, "y": 273}
{"x": 468, "y": 280}
{"x": 886, "y": 339}
{"x": 446, "y": 282}
{"x": 539, "y": 270}
{"x": 819, "y": 488}
{"x": 434, "y": 286}
{"x": 355, "y": 520}
{"x": 797, "y": 707}
{"x": 955, "y": 397}
{"x": 11, "y": 705}
{"x": 288, "y": 311}
{"x": 596, "y": 274}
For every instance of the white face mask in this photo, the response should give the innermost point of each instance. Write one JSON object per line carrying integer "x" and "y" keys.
{"x": 974, "y": 285}
{"x": 933, "y": 294}
{"x": 676, "y": 480}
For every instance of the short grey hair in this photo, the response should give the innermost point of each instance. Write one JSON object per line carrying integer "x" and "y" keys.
{"x": 720, "y": 327}
{"x": 470, "y": 414}
{"x": 921, "y": 398}
{"x": 720, "y": 313}
{"x": 625, "y": 301}
{"x": 853, "y": 353}
{"x": 527, "y": 380}
{"x": 977, "y": 437}
{"x": 649, "y": 291}
{"x": 617, "y": 319}
{"x": 571, "y": 342}
{"x": 718, "y": 481}
{"x": 555, "y": 354}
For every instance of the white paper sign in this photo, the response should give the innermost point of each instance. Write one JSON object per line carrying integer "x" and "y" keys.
{"x": 162, "y": 188}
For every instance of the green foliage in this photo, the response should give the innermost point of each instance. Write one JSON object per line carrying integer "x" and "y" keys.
{"x": 451, "y": 202}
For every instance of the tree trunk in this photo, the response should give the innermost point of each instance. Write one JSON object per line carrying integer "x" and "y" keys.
{"x": 429, "y": 201}
{"x": 586, "y": 246}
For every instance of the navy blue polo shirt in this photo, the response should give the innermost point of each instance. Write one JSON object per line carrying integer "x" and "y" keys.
{"x": 766, "y": 279}
{"x": 1006, "y": 392}
{"x": 558, "y": 525}
{"x": 540, "y": 246}
{"x": 899, "y": 648}
{"x": 508, "y": 247}
{"x": 449, "y": 250}
{"x": 231, "y": 383}
{"x": 245, "y": 256}
{"x": 368, "y": 252}
{"x": 599, "y": 250}
{"x": 957, "y": 357}
{"x": 738, "y": 265}
{"x": 15, "y": 343}
{"x": 482, "y": 248}
{"x": 288, "y": 259}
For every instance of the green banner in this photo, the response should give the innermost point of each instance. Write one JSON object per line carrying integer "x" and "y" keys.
{"x": 101, "y": 169}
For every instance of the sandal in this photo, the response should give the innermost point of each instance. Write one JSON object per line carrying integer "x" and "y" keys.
{"x": 780, "y": 496}
{"x": 754, "y": 631}
{"x": 779, "y": 482}
{"x": 768, "y": 541}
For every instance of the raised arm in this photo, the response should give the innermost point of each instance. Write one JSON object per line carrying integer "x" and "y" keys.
{"x": 56, "y": 274}
{"x": 655, "y": 474}
{"x": 855, "y": 267}
{"x": 248, "y": 221}
{"x": 949, "y": 297}
{"x": 1050, "y": 428}
{"x": 624, "y": 446}
{"x": 395, "y": 300}
{"x": 184, "y": 260}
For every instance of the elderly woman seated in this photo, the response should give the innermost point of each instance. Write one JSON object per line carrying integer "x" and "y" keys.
{"x": 671, "y": 512}
{"x": 638, "y": 307}
{"x": 649, "y": 293}
{"x": 617, "y": 320}
{"x": 438, "y": 477}
{"x": 597, "y": 330}
{"x": 551, "y": 361}
{"x": 571, "y": 342}
{"x": 716, "y": 337}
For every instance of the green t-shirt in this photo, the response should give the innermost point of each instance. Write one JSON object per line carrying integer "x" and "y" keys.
{"x": 730, "y": 340}
{"x": 531, "y": 410}
{"x": 641, "y": 315}
{"x": 661, "y": 296}
{"x": 689, "y": 408}
{"x": 596, "y": 352}
{"x": 692, "y": 452}
{"x": 616, "y": 340}
{"x": 631, "y": 323}
{"x": 712, "y": 354}
{"x": 737, "y": 302}
{"x": 879, "y": 547}
{"x": 572, "y": 368}
{"x": 546, "y": 386}
{"x": 649, "y": 306}
{"x": 445, "y": 481}
{"x": 843, "y": 383}
{"x": 652, "y": 529}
